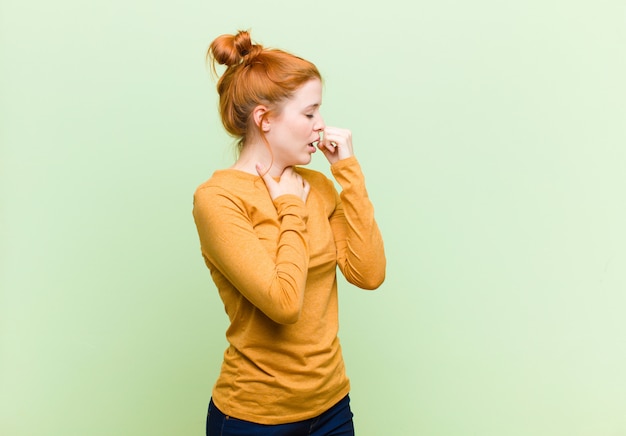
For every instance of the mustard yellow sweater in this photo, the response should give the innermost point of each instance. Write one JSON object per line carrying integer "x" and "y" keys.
{"x": 274, "y": 264}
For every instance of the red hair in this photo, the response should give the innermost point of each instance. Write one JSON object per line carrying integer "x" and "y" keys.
{"x": 254, "y": 76}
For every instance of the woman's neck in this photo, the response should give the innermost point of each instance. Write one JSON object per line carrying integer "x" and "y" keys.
{"x": 253, "y": 153}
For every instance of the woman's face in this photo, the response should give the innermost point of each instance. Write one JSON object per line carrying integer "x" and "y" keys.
{"x": 292, "y": 132}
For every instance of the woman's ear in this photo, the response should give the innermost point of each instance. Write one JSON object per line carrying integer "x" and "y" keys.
{"x": 260, "y": 117}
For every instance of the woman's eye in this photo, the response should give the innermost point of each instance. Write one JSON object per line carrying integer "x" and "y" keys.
{"x": 309, "y": 116}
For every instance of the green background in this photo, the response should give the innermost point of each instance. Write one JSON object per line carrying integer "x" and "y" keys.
{"x": 492, "y": 135}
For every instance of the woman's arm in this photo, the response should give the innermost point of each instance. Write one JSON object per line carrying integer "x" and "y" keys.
{"x": 274, "y": 284}
{"x": 360, "y": 250}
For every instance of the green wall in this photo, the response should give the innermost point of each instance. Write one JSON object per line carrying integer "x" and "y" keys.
{"x": 492, "y": 134}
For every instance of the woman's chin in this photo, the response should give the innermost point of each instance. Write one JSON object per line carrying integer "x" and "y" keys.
{"x": 305, "y": 160}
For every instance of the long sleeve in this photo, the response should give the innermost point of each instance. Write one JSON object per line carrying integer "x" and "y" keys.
{"x": 273, "y": 282}
{"x": 360, "y": 250}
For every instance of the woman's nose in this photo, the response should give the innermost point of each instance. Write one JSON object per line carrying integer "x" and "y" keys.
{"x": 319, "y": 126}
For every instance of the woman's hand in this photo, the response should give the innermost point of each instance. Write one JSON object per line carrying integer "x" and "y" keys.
{"x": 290, "y": 182}
{"x": 336, "y": 144}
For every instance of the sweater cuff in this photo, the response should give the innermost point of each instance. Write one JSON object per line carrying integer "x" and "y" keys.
{"x": 289, "y": 204}
{"x": 348, "y": 173}
{"x": 343, "y": 163}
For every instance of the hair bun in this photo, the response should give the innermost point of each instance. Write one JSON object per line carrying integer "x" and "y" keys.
{"x": 231, "y": 50}
{"x": 243, "y": 43}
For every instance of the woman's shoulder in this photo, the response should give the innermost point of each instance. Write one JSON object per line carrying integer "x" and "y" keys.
{"x": 238, "y": 186}
{"x": 313, "y": 176}
{"x": 228, "y": 179}
{"x": 319, "y": 182}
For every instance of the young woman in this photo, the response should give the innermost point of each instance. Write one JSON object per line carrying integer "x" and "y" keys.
{"x": 272, "y": 235}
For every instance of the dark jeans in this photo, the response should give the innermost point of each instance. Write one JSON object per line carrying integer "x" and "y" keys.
{"x": 337, "y": 421}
